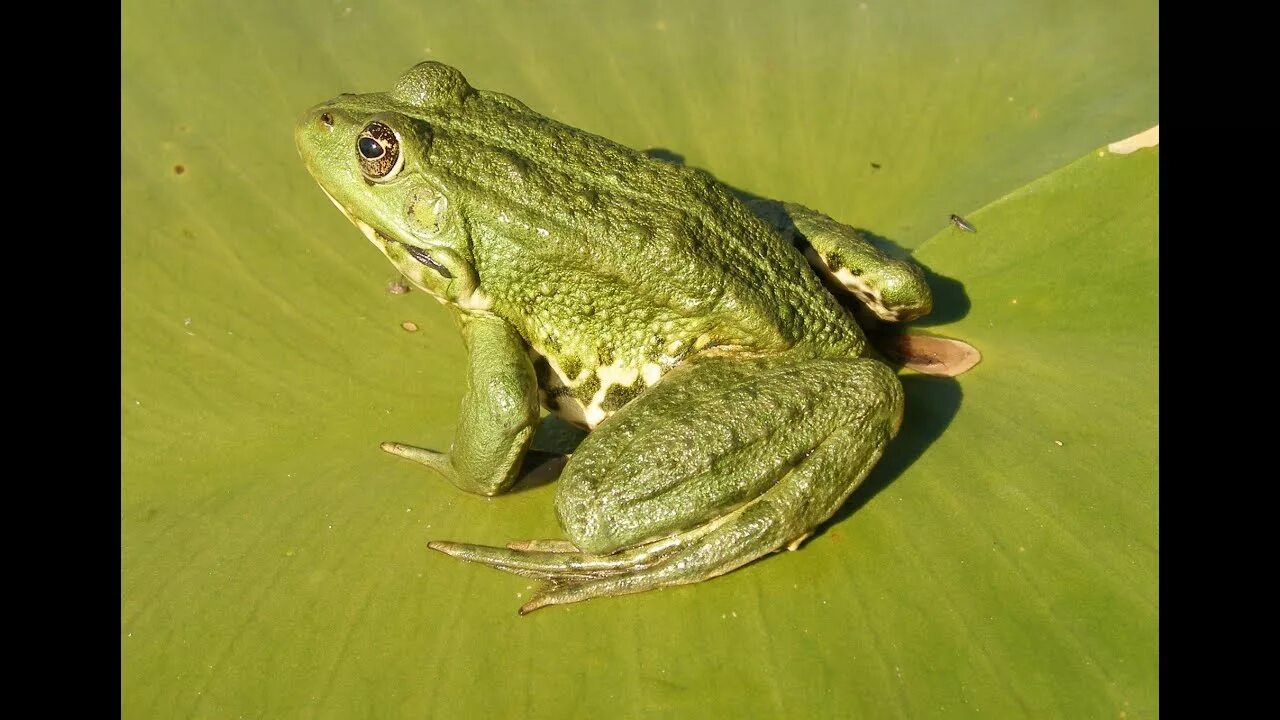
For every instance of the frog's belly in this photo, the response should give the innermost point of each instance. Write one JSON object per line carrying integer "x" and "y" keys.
{"x": 592, "y": 394}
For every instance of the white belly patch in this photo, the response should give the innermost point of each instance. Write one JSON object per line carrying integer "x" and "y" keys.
{"x": 568, "y": 396}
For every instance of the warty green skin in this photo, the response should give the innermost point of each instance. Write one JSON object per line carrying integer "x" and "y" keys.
{"x": 733, "y": 398}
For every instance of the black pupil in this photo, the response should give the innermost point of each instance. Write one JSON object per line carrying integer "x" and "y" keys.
{"x": 370, "y": 148}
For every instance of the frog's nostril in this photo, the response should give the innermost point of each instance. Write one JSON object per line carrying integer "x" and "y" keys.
{"x": 327, "y": 119}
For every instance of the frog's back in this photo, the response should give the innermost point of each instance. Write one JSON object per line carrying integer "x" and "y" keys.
{"x": 616, "y": 266}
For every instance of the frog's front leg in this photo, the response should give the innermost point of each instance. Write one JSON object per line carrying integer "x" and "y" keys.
{"x": 724, "y": 461}
{"x": 894, "y": 289}
{"x": 498, "y": 416}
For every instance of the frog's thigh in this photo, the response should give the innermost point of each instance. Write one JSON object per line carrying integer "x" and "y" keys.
{"x": 783, "y": 439}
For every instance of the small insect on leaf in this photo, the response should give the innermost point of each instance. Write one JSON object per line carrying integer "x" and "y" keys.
{"x": 962, "y": 224}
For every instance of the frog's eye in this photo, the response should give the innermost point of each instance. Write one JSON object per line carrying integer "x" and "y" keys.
{"x": 378, "y": 152}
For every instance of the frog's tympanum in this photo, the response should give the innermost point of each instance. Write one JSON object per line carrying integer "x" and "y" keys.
{"x": 733, "y": 399}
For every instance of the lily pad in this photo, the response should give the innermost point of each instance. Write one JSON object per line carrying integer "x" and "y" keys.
{"x": 1000, "y": 561}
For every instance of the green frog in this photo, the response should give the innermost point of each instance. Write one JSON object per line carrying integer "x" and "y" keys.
{"x": 732, "y": 399}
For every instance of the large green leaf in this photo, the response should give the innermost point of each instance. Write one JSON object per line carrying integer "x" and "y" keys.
{"x": 1002, "y": 559}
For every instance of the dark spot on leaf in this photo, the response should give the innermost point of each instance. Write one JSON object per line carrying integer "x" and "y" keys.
{"x": 875, "y": 166}
{"x": 834, "y": 262}
{"x": 179, "y": 169}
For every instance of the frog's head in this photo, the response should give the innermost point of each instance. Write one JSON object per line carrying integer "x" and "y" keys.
{"x": 370, "y": 153}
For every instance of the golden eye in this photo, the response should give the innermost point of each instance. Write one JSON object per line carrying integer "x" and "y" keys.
{"x": 378, "y": 152}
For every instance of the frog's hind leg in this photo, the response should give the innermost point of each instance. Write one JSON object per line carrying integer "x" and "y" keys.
{"x": 894, "y": 289}
{"x": 723, "y": 462}
{"x": 779, "y": 519}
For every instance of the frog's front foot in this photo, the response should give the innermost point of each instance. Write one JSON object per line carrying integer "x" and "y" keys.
{"x": 723, "y": 462}
{"x": 437, "y": 461}
{"x": 443, "y": 464}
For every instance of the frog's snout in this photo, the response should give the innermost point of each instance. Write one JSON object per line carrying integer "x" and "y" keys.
{"x": 313, "y": 135}
{"x": 317, "y": 120}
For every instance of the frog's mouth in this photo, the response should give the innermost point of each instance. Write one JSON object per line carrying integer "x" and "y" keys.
{"x": 382, "y": 242}
{"x": 374, "y": 236}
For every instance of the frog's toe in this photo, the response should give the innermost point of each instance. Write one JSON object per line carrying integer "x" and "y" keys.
{"x": 558, "y": 564}
{"x": 552, "y": 546}
{"x": 528, "y": 563}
